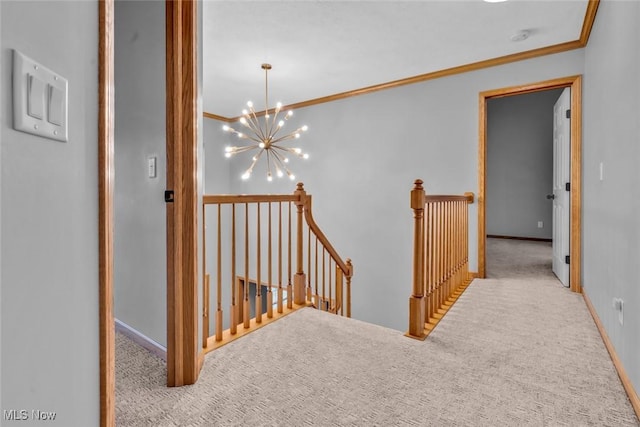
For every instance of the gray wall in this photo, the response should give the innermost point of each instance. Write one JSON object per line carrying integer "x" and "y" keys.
{"x": 520, "y": 164}
{"x": 366, "y": 152}
{"x": 140, "y": 131}
{"x": 611, "y": 208}
{"x": 49, "y": 211}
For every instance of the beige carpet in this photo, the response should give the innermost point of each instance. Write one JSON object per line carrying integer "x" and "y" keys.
{"x": 516, "y": 350}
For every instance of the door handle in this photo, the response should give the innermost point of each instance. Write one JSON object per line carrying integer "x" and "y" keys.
{"x": 551, "y": 196}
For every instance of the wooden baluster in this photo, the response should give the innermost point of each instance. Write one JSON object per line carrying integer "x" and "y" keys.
{"x": 324, "y": 295}
{"x": 206, "y": 303}
{"x": 280, "y": 257}
{"x": 258, "y": 268}
{"x": 299, "y": 280}
{"x": 434, "y": 252}
{"x": 246, "y": 311}
{"x": 219, "y": 287}
{"x": 440, "y": 255}
{"x": 331, "y": 302}
{"x": 350, "y": 266}
{"x": 470, "y": 197}
{"x": 445, "y": 242}
{"x": 289, "y": 285}
{"x": 339, "y": 290}
{"x": 449, "y": 249}
{"x": 234, "y": 286}
{"x": 269, "y": 271}
{"x": 416, "y": 301}
{"x": 316, "y": 268}
{"x": 445, "y": 247}
{"x": 461, "y": 278}
{"x": 426, "y": 260}
{"x": 458, "y": 241}
{"x": 205, "y": 311}
{"x": 309, "y": 291}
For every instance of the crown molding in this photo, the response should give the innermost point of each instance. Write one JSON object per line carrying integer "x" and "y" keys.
{"x": 589, "y": 18}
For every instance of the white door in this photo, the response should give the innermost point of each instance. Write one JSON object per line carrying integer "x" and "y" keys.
{"x": 561, "y": 185}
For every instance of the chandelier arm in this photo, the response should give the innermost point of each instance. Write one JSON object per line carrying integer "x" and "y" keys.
{"x": 255, "y": 160}
{"x": 284, "y": 138}
{"x": 268, "y": 163}
{"x": 273, "y": 135}
{"x": 243, "y": 149}
{"x": 254, "y": 125}
{"x": 251, "y": 138}
{"x": 274, "y": 121}
{"x": 282, "y": 165}
{"x": 242, "y": 135}
{"x": 285, "y": 149}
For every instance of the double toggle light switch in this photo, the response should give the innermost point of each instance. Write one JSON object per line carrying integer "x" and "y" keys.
{"x": 40, "y": 99}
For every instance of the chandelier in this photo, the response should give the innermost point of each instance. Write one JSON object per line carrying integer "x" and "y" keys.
{"x": 263, "y": 135}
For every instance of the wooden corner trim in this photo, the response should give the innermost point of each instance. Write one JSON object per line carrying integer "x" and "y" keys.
{"x": 182, "y": 222}
{"x": 106, "y": 111}
{"x": 589, "y": 19}
{"x": 626, "y": 382}
{"x": 217, "y": 117}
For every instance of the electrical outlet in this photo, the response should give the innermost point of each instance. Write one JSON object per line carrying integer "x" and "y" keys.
{"x": 540, "y": 224}
{"x": 601, "y": 171}
{"x": 621, "y": 312}
{"x": 618, "y": 305}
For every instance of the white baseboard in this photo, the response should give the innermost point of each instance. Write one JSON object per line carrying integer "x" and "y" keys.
{"x": 142, "y": 340}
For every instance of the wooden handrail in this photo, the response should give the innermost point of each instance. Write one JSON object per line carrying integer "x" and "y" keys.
{"x": 346, "y": 269}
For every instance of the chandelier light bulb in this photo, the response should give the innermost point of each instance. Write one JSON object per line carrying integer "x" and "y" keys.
{"x": 297, "y": 150}
{"x": 227, "y": 155}
{"x": 261, "y": 145}
{"x": 305, "y": 128}
{"x": 286, "y": 160}
{"x": 243, "y": 121}
{"x": 246, "y": 175}
{"x": 279, "y": 173}
{"x": 281, "y": 123}
{"x": 292, "y": 176}
{"x": 269, "y": 178}
{"x": 249, "y": 104}
{"x": 297, "y": 135}
{"x": 226, "y": 128}
{"x": 290, "y": 113}
{"x": 305, "y": 156}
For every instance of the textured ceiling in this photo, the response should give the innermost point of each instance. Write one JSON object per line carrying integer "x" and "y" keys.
{"x": 321, "y": 48}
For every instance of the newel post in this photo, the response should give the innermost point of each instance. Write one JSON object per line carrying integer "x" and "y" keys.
{"x": 299, "y": 280}
{"x": 416, "y": 301}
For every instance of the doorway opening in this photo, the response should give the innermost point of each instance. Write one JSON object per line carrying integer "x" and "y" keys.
{"x": 574, "y": 234}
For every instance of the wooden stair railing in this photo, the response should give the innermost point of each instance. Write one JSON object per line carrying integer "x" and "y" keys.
{"x": 259, "y": 272}
{"x": 440, "y": 257}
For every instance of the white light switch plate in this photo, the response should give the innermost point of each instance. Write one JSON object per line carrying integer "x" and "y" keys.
{"x": 152, "y": 167}
{"x": 40, "y": 99}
